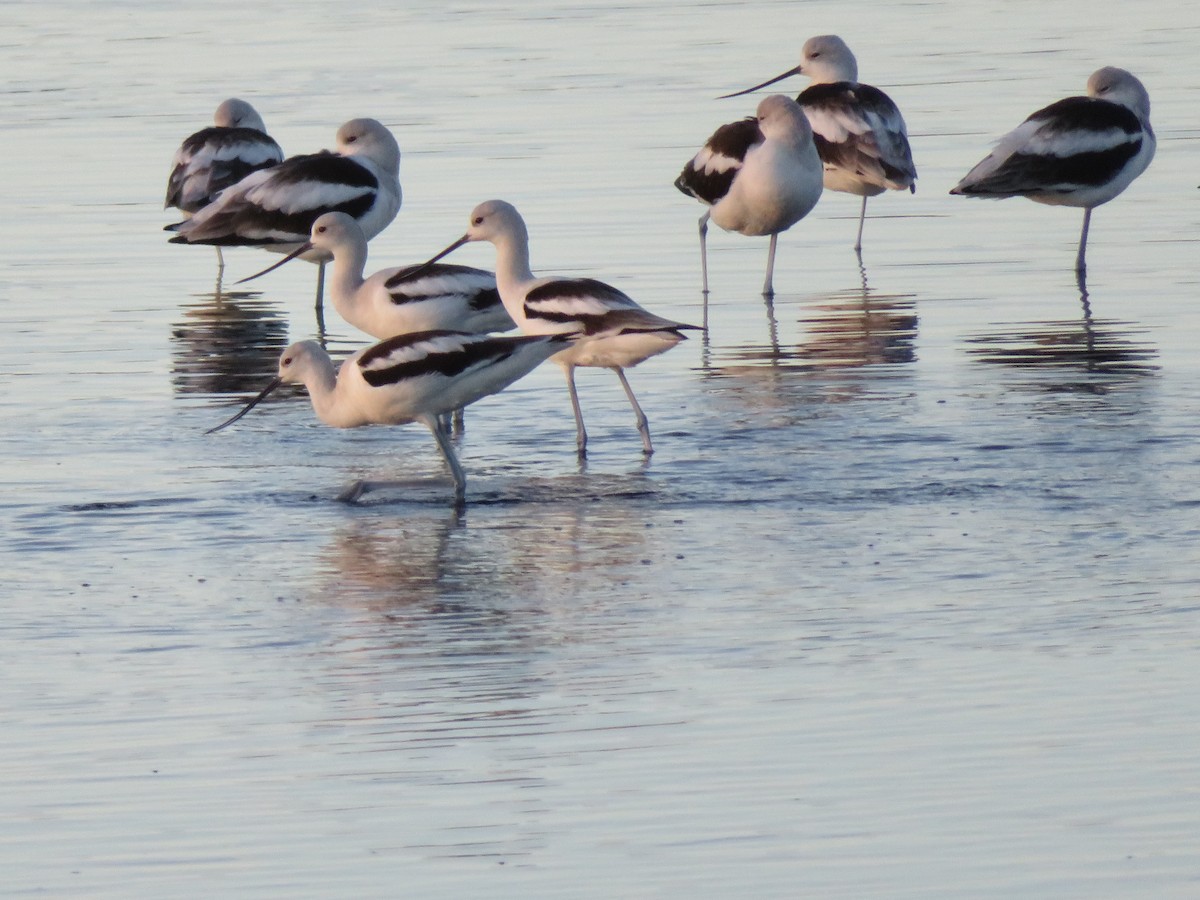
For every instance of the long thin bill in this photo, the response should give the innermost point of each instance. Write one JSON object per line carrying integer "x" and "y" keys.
{"x": 428, "y": 264}
{"x": 303, "y": 248}
{"x": 276, "y": 382}
{"x": 788, "y": 74}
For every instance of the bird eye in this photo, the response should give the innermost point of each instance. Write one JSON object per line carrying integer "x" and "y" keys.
{"x": 286, "y": 361}
{"x": 352, "y": 139}
{"x": 322, "y": 229}
{"x": 478, "y": 220}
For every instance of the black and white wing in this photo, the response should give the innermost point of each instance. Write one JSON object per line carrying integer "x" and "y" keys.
{"x": 1072, "y": 145}
{"x": 857, "y": 128}
{"x": 592, "y": 307}
{"x": 214, "y": 159}
{"x": 709, "y": 174}
{"x": 279, "y": 205}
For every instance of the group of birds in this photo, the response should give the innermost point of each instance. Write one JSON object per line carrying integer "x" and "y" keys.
{"x": 438, "y": 350}
{"x": 762, "y": 175}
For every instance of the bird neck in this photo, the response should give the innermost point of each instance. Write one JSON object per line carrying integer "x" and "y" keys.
{"x": 832, "y": 73}
{"x": 512, "y": 263}
{"x": 321, "y": 381}
{"x": 347, "y": 275}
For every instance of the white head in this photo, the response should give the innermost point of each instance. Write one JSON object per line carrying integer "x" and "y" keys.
{"x": 781, "y": 117}
{"x": 492, "y": 220}
{"x": 235, "y": 113}
{"x": 826, "y": 59}
{"x": 495, "y": 219}
{"x": 304, "y": 362}
{"x": 334, "y": 230}
{"x": 301, "y": 360}
{"x": 1118, "y": 86}
{"x": 369, "y": 138}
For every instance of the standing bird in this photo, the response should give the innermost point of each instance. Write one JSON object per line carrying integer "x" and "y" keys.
{"x": 400, "y": 300}
{"x": 1080, "y": 151}
{"x": 275, "y": 208}
{"x": 215, "y": 158}
{"x": 614, "y": 332}
{"x": 409, "y": 378}
{"x": 859, "y": 132}
{"x": 758, "y": 176}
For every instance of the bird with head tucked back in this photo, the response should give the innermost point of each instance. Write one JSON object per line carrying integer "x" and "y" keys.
{"x": 758, "y": 176}
{"x": 859, "y": 132}
{"x": 1079, "y": 151}
{"x": 218, "y": 157}
{"x": 275, "y": 208}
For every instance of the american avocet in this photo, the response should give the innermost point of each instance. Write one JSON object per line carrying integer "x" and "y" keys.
{"x": 219, "y": 156}
{"x": 614, "y": 332}
{"x": 409, "y": 378}
{"x": 400, "y": 300}
{"x": 1081, "y": 151}
{"x": 759, "y": 176}
{"x": 859, "y": 132}
{"x": 275, "y": 208}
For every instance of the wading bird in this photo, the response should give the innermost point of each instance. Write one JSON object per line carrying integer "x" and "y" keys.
{"x": 275, "y": 208}
{"x": 401, "y": 299}
{"x": 614, "y": 332}
{"x": 411, "y": 378}
{"x": 758, "y": 176}
{"x": 1081, "y": 151}
{"x": 218, "y": 157}
{"x": 859, "y": 132}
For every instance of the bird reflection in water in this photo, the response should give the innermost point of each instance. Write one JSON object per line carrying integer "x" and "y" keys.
{"x": 448, "y": 642}
{"x": 846, "y": 329}
{"x": 428, "y": 562}
{"x": 398, "y": 562}
{"x": 856, "y": 328}
{"x": 1073, "y": 347}
{"x": 848, "y": 347}
{"x": 226, "y": 343}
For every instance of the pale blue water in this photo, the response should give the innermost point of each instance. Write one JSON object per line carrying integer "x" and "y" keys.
{"x": 904, "y": 605}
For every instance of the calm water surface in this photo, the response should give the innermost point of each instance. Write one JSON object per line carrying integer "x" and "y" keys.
{"x": 907, "y": 603}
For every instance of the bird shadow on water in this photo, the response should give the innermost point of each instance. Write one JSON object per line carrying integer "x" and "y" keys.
{"x": 1084, "y": 355}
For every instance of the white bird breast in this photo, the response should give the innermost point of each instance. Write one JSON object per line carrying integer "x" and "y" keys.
{"x": 618, "y": 351}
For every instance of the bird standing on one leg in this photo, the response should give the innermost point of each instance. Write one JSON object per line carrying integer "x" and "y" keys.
{"x": 759, "y": 176}
{"x": 1080, "y": 151}
{"x": 275, "y": 208}
{"x": 859, "y": 132}
{"x": 218, "y": 157}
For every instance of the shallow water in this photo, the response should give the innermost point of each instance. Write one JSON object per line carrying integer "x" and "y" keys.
{"x": 904, "y": 605}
